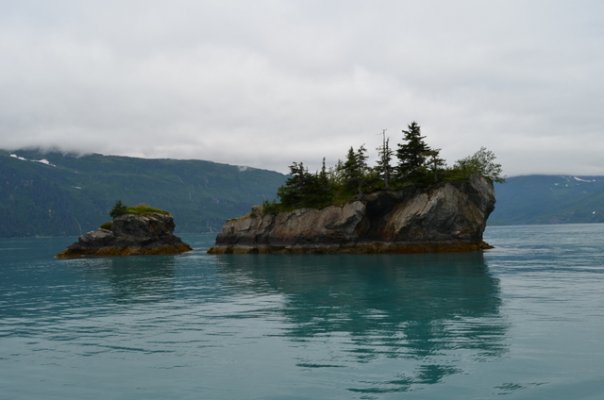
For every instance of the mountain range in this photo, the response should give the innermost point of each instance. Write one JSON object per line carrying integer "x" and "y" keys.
{"x": 549, "y": 199}
{"x": 53, "y": 193}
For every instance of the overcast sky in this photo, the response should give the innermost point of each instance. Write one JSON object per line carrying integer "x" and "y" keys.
{"x": 265, "y": 83}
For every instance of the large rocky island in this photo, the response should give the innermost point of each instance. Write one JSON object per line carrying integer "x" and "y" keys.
{"x": 444, "y": 217}
{"x": 133, "y": 231}
{"x": 418, "y": 204}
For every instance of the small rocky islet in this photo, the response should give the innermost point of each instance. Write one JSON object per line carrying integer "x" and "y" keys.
{"x": 142, "y": 231}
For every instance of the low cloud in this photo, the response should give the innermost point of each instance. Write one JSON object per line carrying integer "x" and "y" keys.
{"x": 266, "y": 83}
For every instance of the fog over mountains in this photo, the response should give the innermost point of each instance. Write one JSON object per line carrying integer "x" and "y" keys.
{"x": 52, "y": 193}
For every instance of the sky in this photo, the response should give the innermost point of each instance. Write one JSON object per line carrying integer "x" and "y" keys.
{"x": 265, "y": 83}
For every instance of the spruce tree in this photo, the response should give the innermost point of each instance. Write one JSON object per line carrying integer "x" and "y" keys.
{"x": 354, "y": 169}
{"x": 291, "y": 193}
{"x": 118, "y": 209}
{"x": 361, "y": 157}
{"x": 323, "y": 192}
{"x": 435, "y": 164}
{"x": 303, "y": 189}
{"x": 350, "y": 171}
{"x": 323, "y": 177}
{"x": 412, "y": 154}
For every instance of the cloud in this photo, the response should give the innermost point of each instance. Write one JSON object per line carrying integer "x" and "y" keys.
{"x": 269, "y": 82}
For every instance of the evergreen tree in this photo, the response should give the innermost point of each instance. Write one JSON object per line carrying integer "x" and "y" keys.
{"x": 361, "y": 158}
{"x": 303, "y": 189}
{"x": 354, "y": 169}
{"x": 350, "y": 171}
{"x": 412, "y": 154}
{"x": 292, "y": 192}
{"x": 118, "y": 209}
{"x": 383, "y": 168}
{"x": 336, "y": 173}
{"x": 435, "y": 164}
{"x": 323, "y": 192}
{"x": 323, "y": 177}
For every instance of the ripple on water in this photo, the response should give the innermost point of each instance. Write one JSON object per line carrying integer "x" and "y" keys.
{"x": 522, "y": 321}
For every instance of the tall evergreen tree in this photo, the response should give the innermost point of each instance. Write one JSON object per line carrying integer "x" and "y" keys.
{"x": 324, "y": 187}
{"x": 354, "y": 169}
{"x": 323, "y": 177}
{"x": 293, "y": 191}
{"x": 412, "y": 153}
{"x": 361, "y": 158}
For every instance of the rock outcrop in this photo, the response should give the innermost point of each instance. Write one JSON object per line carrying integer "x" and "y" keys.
{"x": 444, "y": 217}
{"x": 149, "y": 234}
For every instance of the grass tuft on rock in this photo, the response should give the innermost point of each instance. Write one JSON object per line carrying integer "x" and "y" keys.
{"x": 107, "y": 225}
{"x": 120, "y": 209}
{"x": 144, "y": 209}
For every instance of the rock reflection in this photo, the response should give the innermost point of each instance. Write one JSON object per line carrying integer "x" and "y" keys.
{"x": 140, "y": 279}
{"x": 423, "y": 307}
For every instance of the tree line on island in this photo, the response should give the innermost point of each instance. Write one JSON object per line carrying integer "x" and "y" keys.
{"x": 412, "y": 163}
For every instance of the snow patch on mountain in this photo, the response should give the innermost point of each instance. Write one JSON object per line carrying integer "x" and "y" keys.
{"x": 18, "y": 157}
{"x": 583, "y": 180}
{"x": 42, "y": 161}
{"x": 45, "y": 162}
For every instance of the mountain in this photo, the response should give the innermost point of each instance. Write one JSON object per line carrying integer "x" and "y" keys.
{"x": 548, "y": 199}
{"x": 65, "y": 194}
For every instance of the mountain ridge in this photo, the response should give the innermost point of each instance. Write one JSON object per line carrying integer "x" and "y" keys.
{"x": 54, "y": 193}
{"x": 549, "y": 199}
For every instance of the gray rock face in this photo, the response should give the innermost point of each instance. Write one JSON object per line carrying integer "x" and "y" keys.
{"x": 445, "y": 217}
{"x": 130, "y": 235}
{"x": 143, "y": 228}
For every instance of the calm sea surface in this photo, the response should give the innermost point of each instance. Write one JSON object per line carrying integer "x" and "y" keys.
{"x": 522, "y": 321}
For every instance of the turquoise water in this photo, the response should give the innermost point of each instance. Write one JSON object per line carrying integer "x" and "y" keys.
{"x": 524, "y": 321}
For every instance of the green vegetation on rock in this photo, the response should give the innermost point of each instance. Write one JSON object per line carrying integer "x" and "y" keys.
{"x": 107, "y": 225}
{"x": 120, "y": 209}
{"x": 417, "y": 164}
{"x": 143, "y": 209}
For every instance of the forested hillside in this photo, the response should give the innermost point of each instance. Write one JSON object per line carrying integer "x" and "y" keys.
{"x": 62, "y": 194}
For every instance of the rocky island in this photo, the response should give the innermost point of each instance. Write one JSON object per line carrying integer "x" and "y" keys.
{"x": 139, "y": 230}
{"x": 418, "y": 205}
{"x": 442, "y": 218}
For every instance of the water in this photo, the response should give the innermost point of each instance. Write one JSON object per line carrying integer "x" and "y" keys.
{"x": 524, "y": 321}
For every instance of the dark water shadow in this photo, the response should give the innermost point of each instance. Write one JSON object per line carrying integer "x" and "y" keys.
{"x": 417, "y": 307}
